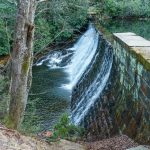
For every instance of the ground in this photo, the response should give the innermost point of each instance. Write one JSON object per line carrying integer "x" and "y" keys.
{"x": 12, "y": 140}
{"x": 116, "y": 143}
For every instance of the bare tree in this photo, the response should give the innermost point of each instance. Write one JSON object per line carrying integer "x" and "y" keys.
{"x": 21, "y": 62}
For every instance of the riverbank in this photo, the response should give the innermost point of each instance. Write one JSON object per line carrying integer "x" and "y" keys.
{"x": 13, "y": 140}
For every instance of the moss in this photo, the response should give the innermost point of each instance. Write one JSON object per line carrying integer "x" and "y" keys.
{"x": 8, "y": 121}
{"x": 132, "y": 128}
{"x": 26, "y": 65}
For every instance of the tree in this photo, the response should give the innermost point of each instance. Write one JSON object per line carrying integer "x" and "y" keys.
{"x": 56, "y": 21}
{"x": 21, "y": 62}
{"x": 22, "y": 53}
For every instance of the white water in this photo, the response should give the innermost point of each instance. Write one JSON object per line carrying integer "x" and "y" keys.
{"x": 84, "y": 51}
{"x": 53, "y": 60}
{"x": 93, "y": 92}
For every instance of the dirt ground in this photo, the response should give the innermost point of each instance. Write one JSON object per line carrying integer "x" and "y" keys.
{"x": 122, "y": 142}
{"x": 12, "y": 140}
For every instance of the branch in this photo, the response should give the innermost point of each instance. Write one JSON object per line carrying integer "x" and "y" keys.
{"x": 31, "y": 94}
{"x": 39, "y": 1}
{"x": 12, "y": 2}
{"x": 42, "y": 49}
{"x": 62, "y": 30}
{"x": 41, "y": 11}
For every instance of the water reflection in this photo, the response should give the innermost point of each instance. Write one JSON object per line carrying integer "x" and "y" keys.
{"x": 140, "y": 27}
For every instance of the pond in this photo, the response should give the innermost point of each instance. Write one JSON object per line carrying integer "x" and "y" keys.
{"x": 48, "y": 100}
{"x": 140, "y": 27}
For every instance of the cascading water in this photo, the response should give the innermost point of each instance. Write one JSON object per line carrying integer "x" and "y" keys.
{"x": 91, "y": 93}
{"x": 55, "y": 59}
{"x": 84, "y": 51}
{"x": 90, "y": 70}
{"x": 88, "y": 64}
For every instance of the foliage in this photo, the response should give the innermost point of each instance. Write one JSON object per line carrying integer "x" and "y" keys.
{"x": 124, "y": 8}
{"x": 4, "y": 96}
{"x": 140, "y": 27}
{"x": 55, "y": 21}
{"x": 7, "y": 20}
{"x": 65, "y": 130}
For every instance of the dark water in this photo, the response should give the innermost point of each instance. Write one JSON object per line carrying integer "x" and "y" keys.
{"x": 47, "y": 100}
{"x": 140, "y": 27}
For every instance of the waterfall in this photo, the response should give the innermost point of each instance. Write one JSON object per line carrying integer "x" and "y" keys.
{"x": 90, "y": 70}
{"x": 92, "y": 93}
{"x": 88, "y": 64}
{"x": 84, "y": 50}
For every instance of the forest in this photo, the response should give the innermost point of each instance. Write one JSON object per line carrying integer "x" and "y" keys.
{"x": 57, "y": 20}
{"x": 62, "y": 76}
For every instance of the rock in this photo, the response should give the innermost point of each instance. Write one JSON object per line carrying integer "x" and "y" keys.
{"x": 12, "y": 140}
{"x": 139, "y": 148}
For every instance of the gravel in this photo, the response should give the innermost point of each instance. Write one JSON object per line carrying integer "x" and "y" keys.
{"x": 122, "y": 142}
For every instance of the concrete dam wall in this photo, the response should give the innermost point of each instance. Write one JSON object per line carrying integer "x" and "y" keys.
{"x": 113, "y": 94}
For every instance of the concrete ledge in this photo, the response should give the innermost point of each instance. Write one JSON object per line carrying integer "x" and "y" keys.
{"x": 132, "y": 39}
{"x": 137, "y": 45}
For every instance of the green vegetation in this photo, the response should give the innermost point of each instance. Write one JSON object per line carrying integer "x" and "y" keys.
{"x": 140, "y": 27}
{"x": 55, "y": 21}
{"x": 4, "y": 97}
{"x": 7, "y": 21}
{"x": 123, "y": 8}
{"x": 58, "y": 21}
{"x": 62, "y": 130}
{"x": 65, "y": 130}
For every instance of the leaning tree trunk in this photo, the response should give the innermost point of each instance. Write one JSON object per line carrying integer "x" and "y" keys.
{"x": 21, "y": 62}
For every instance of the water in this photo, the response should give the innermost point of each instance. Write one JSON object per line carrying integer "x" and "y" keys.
{"x": 60, "y": 72}
{"x": 47, "y": 100}
{"x": 140, "y": 27}
{"x": 92, "y": 83}
{"x": 84, "y": 51}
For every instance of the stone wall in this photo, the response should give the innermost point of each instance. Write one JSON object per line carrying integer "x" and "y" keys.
{"x": 131, "y": 112}
{"x": 124, "y": 105}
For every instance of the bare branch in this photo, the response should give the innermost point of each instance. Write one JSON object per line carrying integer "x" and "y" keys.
{"x": 12, "y": 2}
{"x": 39, "y": 1}
{"x": 41, "y": 11}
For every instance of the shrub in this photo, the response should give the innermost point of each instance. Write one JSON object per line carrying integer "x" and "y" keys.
{"x": 124, "y": 8}
{"x": 55, "y": 21}
{"x": 4, "y": 96}
{"x": 65, "y": 130}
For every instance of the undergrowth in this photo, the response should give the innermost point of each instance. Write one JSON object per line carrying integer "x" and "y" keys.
{"x": 64, "y": 129}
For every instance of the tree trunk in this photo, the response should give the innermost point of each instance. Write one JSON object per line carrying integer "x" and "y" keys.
{"x": 21, "y": 62}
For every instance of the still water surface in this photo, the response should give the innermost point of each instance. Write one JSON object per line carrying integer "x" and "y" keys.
{"x": 140, "y": 27}
{"x": 47, "y": 100}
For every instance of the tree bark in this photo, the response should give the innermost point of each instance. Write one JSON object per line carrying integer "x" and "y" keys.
{"x": 21, "y": 62}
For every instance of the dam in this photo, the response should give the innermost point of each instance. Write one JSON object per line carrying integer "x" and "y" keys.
{"x": 106, "y": 83}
